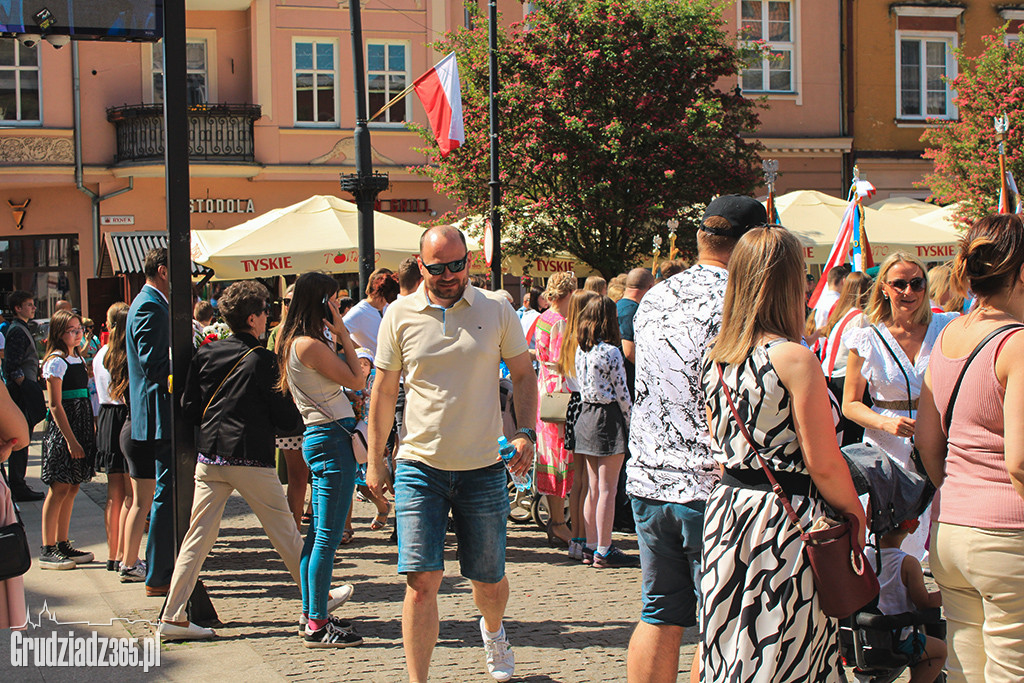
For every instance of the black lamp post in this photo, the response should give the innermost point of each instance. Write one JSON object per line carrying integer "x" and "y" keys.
{"x": 364, "y": 184}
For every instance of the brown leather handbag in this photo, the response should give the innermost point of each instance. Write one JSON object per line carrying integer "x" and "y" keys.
{"x": 843, "y": 580}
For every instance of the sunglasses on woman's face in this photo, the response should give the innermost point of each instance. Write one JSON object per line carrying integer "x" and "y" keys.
{"x": 916, "y": 284}
{"x": 287, "y": 302}
{"x": 456, "y": 266}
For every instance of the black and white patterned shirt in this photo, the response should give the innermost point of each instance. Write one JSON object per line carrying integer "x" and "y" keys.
{"x": 670, "y": 448}
{"x": 601, "y": 375}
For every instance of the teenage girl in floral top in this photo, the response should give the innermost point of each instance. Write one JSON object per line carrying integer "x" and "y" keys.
{"x": 601, "y": 426}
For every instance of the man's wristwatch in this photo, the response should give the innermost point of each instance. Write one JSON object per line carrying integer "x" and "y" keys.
{"x": 528, "y": 433}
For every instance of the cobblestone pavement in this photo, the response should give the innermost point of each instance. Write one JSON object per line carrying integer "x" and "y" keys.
{"x": 566, "y": 621}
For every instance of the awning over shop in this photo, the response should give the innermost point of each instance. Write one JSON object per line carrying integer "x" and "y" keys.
{"x": 127, "y": 251}
{"x": 815, "y": 218}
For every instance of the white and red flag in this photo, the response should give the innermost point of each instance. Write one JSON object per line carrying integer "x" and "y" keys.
{"x": 850, "y": 230}
{"x": 439, "y": 91}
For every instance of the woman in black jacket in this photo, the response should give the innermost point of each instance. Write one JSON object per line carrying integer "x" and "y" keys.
{"x": 231, "y": 394}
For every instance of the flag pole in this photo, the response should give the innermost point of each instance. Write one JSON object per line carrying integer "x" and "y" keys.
{"x": 393, "y": 102}
{"x": 771, "y": 172}
{"x": 1002, "y": 124}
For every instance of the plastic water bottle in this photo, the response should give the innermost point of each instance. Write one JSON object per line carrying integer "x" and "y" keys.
{"x": 523, "y": 482}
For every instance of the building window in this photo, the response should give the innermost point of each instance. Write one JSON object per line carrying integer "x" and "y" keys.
{"x": 387, "y": 75}
{"x": 19, "y": 82}
{"x": 767, "y": 26}
{"x": 925, "y": 66}
{"x": 316, "y": 101}
{"x": 197, "y": 75}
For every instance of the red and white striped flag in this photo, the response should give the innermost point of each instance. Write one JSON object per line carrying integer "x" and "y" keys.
{"x": 439, "y": 91}
{"x": 837, "y": 256}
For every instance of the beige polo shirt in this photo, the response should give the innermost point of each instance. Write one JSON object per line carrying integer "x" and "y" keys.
{"x": 450, "y": 359}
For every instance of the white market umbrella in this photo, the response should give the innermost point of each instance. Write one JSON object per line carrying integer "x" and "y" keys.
{"x": 319, "y": 233}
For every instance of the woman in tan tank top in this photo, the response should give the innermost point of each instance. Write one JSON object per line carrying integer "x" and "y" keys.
{"x": 977, "y": 552}
{"x": 315, "y": 375}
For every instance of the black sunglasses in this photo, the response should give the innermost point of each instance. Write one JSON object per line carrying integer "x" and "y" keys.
{"x": 916, "y": 284}
{"x": 456, "y": 266}
{"x": 287, "y": 301}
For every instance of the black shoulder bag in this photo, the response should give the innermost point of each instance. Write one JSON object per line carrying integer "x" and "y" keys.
{"x": 15, "y": 557}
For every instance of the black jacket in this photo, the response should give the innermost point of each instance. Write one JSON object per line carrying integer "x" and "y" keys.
{"x": 247, "y": 410}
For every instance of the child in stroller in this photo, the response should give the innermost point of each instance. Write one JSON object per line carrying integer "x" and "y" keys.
{"x": 885, "y": 637}
{"x": 903, "y": 590}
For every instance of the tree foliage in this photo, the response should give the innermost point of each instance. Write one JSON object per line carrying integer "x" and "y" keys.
{"x": 611, "y": 122}
{"x": 965, "y": 152}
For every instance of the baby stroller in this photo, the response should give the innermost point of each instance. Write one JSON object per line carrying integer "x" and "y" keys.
{"x": 868, "y": 639}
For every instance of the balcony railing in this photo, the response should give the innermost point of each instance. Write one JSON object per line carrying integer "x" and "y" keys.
{"x": 218, "y": 133}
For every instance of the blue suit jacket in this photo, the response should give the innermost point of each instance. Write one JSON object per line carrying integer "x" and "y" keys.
{"x": 149, "y": 364}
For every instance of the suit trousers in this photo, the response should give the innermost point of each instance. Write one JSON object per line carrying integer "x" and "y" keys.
{"x": 214, "y": 484}
{"x": 160, "y": 544}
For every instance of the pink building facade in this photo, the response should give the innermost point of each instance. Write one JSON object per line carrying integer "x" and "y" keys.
{"x": 270, "y": 84}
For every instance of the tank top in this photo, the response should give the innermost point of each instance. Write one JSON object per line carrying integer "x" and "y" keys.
{"x": 318, "y": 399}
{"x": 975, "y": 461}
{"x": 893, "y": 597}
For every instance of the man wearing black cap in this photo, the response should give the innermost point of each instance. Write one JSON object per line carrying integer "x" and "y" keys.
{"x": 671, "y": 472}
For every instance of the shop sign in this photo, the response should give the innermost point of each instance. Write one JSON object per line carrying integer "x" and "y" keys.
{"x": 401, "y": 206}
{"x": 221, "y": 206}
{"x": 117, "y": 220}
{"x": 554, "y": 265}
{"x": 261, "y": 265}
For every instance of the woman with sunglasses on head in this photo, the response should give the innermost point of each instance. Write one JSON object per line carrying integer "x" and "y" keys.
{"x": 889, "y": 357}
{"x": 69, "y": 445}
{"x": 317, "y": 377}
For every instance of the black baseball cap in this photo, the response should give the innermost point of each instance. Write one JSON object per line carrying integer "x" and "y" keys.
{"x": 742, "y": 212}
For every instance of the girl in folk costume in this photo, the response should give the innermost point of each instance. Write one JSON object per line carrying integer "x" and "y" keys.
{"x": 69, "y": 445}
{"x": 554, "y": 462}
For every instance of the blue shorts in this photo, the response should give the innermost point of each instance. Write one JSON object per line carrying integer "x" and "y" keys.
{"x": 913, "y": 647}
{"x": 478, "y": 501}
{"x": 669, "y": 536}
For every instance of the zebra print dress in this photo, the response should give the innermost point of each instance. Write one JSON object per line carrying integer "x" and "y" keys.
{"x": 760, "y": 619}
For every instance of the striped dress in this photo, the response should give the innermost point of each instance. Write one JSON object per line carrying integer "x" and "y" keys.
{"x": 759, "y": 617}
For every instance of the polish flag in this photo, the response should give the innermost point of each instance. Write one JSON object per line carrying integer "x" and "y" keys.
{"x": 439, "y": 91}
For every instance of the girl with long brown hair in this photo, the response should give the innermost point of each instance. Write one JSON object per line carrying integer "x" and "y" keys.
{"x": 110, "y": 370}
{"x": 567, "y": 368}
{"x": 69, "y": 445}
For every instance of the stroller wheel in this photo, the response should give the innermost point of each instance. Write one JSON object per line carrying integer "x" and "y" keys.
{"x": 520, "y": 504}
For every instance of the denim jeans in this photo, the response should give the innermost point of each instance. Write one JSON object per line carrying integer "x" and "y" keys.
{"x": 478, "y": 502}
{"x": 670, "y": 536}
{"x": 327, "y": 450}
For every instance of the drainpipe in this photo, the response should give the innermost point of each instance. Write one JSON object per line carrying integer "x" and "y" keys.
{"x": 95, "y": 198}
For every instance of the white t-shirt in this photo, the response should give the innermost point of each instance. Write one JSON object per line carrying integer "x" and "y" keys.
{"x": 363, "y": 322}
{"x": 826, "y": 301}
{"x": 55, "y": 366}
{"x": 528, "y": 319}
{"x": 103, "y": 379}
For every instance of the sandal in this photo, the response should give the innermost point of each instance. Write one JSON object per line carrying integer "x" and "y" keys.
{"x": 380, "y": 520}
{"x": 554, "y": 540}
{"x": 346, "y": 536}
{"x": 306, "y": 518}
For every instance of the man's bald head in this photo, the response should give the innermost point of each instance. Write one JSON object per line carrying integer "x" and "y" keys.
{"x": 442, "y": 233}
{"x": 639, "y": 278}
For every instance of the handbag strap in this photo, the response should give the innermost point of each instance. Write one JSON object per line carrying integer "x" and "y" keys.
{"x": 776, "y": 488}
{"x": 7, "y": 483}
{"x": 230, "y": 372}
{"x": 906, "y": 377}
{"x": 947, "y": 419}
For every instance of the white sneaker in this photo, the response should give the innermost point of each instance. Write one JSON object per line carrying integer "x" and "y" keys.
{"x": 338, "y": 597}
{"x": 501, "y": 661}
{"x": 190, "y": 632}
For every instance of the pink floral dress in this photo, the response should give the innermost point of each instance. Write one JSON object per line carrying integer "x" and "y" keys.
{"x": 554, "y": 463}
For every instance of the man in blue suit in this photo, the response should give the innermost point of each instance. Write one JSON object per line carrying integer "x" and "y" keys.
{"x": 149, "y": 455}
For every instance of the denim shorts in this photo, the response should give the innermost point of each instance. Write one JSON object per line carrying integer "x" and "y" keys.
{"x": 478, "y": 501}
{"x": 669, "y": 536}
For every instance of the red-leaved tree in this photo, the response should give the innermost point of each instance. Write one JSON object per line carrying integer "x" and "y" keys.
{"x": 965, "y": 152}
{"x": 611, "y": 122}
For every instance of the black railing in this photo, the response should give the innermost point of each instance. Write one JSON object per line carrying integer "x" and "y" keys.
{"x": 216, "y": 132}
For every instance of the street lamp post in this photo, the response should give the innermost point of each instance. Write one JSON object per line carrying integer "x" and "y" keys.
{"x": 364, "y": 184}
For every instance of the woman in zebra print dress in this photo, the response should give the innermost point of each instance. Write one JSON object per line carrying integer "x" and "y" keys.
{"x": 760, "y": 617}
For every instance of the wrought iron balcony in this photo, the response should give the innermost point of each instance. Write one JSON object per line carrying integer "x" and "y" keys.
{"x": 217, "y": 133}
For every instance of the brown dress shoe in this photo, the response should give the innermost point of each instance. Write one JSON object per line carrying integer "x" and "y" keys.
{"x": 157, "y": 591}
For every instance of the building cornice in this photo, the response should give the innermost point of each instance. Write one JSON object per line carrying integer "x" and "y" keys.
{"x": 806, "y": 146}
{"x": 930, "y": 10}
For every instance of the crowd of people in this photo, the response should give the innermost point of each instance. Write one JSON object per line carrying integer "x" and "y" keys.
{"x": 666, "y": 393}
